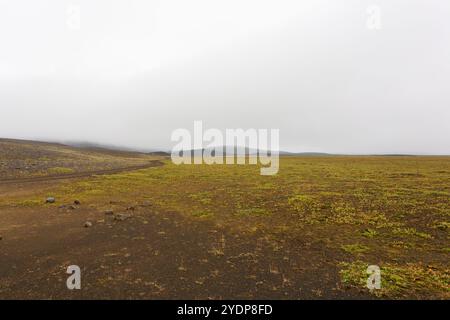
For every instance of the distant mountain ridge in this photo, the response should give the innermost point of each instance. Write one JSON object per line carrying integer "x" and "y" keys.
{"x": 240, "y": 151}
{"x": 166, "y": 152}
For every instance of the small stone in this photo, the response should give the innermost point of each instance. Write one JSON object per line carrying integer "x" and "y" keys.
{"x": 131, "y": 208}
{"x": 62, "y": 206}
{"x": 88, "y": 224}
{"x": 121, "y": 216}
{"x": 50, "y": 200}
{"x": 109, "y": 212}
{"x": 77, "y": 202}
{"x": 71, "y": 207}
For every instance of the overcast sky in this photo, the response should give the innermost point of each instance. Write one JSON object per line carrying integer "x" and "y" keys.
{"x": 333, "y": 76}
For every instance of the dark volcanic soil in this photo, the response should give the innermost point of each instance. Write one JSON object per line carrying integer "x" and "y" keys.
{"x": 155, "y": 255}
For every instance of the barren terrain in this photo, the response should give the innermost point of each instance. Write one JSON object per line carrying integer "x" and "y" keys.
{"x": 162, "y": 231}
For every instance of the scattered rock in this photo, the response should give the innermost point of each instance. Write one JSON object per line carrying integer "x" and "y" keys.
{"x": 62, "y": 206}
{"x": 122, "y": 216}
{"x": 442, "y": 226}
{"x": 77, "y": 202}
{"x": 109, "y": 212}
{"x": 88, "y": 224}
{"x": 50, "y": 200}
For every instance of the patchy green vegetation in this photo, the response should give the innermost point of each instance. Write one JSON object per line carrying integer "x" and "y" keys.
{"x": 60, "y": 170}
{"x": 369, "y": 233}
{"x": 355, "y": 248}
{"x": 408, "y": 280}
{"x": 393, "y": 210}
{"x": 411, "y": 232}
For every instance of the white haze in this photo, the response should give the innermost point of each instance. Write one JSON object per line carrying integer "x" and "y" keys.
{"x": 137, "y": 70}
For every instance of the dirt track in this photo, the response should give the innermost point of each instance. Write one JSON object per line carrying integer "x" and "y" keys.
{"x": 152, "y": 163}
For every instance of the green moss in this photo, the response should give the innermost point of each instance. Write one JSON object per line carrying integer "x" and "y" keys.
{"x": 355, "y": 248}
{"x": 411, "y": 232}
{"x": 252, "y": 212}
{"x": 203, "y": 198}
{"x": 441, "y": 225}
{"x": 29, "y": 203}
{"x": 202, "y": 214}
{"x": 369, "y": 233}
{"x": 302, "y": 203}
{"x": 60, "y": 170}
{"x": 399, "y": 280}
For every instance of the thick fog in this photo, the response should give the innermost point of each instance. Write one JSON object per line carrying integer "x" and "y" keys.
{"x": 350, "y": 76}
